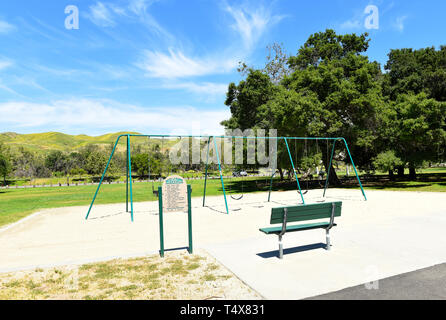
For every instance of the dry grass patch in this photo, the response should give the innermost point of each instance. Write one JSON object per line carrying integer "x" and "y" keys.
{"x": 177, "y": 276}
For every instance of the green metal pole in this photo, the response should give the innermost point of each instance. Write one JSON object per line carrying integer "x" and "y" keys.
{"x": 356, "y": 172}
{"x": 294, "y": 170}
{"x": 221, "y": 176}
{"x": 270, "y": 186}
{"x": 160, "y": 215}
{"x": 102, "y": 178}
{"x": 206, "y": 173}
{"x": 272, "y": 176}
{"x": 130, "y": 177}
{"x": 329, "y": 167}
{"x": 189, "y": 217}
{"x": 127, "y": 180}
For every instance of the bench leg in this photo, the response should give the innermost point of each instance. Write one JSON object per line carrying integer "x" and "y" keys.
{"x": 280, "y": 248}
{"x": 327, "y": 234}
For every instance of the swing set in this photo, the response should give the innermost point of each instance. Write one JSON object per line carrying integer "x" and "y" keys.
{"x": 129, "y": 181}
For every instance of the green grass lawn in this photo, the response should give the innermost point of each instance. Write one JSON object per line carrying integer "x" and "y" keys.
{"x": 16, "y": 204}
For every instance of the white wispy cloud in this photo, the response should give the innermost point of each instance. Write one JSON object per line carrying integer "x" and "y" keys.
{"x": 87, "y": 115}
{"x": 139, "y": 6}
{"x": 399, "y": 23}
{"x": 175, "y": 64}
{"x": 208, "y": 88}
{"x": 140, "y": 9}
{"x": 251, "y": 23}
{"x": 61, "y": 72}
{"x": 101, "y": 15}
{"x": 107, "y": 14}
{"x": 6, "y": 27}
{"x": 5, "y": 63}
{"x": 205, "y": 91}
{"x": 351, "y": 24}
{"x": 6, "y": 88}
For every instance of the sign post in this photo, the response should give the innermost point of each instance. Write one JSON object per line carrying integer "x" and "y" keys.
{"x": 174, "y": 196}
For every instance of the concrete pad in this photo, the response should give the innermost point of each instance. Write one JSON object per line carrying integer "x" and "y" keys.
{"x": 392, "y": 233}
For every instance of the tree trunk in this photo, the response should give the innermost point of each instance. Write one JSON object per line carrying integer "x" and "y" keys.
{"x": 391, "y": 175}
{"x": 400, "y": 171}
{"x": 412, "y": 172}
{"x": 281, "y": 173}
{"x": 333, "y": 179}
{"x": 290, "y": 174}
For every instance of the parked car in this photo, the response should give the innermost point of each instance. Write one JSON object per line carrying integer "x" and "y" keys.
{"x": 239, "y": 174}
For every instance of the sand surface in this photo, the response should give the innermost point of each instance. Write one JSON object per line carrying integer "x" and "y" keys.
{"x": 391, "y": 233}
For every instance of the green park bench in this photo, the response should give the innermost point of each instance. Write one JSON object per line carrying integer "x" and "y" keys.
{"x": 306, "y": 212}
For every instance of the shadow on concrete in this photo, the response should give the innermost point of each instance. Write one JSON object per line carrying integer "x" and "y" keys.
{"x": 176, "y": 249}
{"x": 216, "y": 210}
{"x": 108, "y": 215}
{"x": 275, "y": 253}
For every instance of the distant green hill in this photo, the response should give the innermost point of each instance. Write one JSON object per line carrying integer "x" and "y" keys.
{"x": 48, "y": 141}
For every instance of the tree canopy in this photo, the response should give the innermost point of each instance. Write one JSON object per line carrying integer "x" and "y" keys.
{"x": 330, "y": 88}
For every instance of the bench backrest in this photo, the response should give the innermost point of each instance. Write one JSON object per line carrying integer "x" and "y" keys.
{"x": 305, "y": 212}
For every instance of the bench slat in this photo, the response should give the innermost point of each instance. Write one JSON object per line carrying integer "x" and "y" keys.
{"x": 305, "y": 212}
{"x": 301, "y": 227}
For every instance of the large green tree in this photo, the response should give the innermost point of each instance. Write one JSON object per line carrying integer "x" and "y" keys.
{"x": 415, "y": 88}
{"x": 5, "y": 167}
{"x": 331, "y": 88}
{"x": 414, "y": 128}
{"x": 335, "y": 91}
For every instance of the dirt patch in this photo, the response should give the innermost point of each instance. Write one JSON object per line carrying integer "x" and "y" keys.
{"x": 177, "y": 276}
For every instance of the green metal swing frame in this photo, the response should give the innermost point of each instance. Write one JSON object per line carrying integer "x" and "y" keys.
{"x": 129, "y": 182}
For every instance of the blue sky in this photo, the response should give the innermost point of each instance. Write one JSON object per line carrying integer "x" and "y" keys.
{"x": 164, "y": 66}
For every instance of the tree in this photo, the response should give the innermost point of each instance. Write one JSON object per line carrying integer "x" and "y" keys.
{"x": 29, "y": 164}
{"x": 245, "y": 98}
{"x": 5, "y": 167}
{"x": 276, "y": 63}
{"x": 333, "y": 91}
{"x": 415, "y": 87}
{"x": 416, "y": 129}
{"x": 56, "y": 161}
{"x": 95, "y": 162}
{"x": 140, "y": 164}
{"x": 387, "y": 162}
{"x": 328, "y": 46}
{"x": 416, "y": 71}
{"x": 347, "y": 88}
